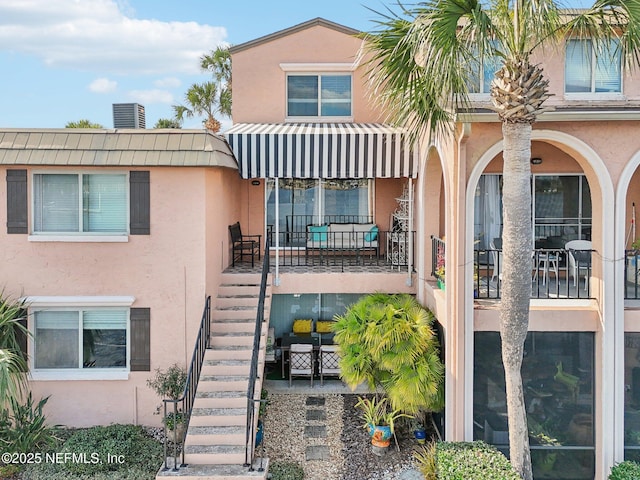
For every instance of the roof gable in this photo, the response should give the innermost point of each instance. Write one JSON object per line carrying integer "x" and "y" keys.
{"x": 316, "y": 22}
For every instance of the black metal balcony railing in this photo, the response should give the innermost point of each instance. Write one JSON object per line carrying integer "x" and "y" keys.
{"x": 344, "y": 248}
{"x": 555, "y": 273}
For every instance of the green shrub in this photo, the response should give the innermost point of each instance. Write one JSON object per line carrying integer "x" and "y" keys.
{"x": 285, "y": 471}
{"x": 23, "y": 427}
{"x": 625, "y": 471}
{"x": 464, "y": 460}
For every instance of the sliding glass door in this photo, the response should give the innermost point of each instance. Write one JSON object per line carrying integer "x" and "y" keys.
{"x": 301, "y": 202}
{"x": 561, "y": 209}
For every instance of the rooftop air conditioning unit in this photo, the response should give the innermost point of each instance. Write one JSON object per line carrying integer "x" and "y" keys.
{"x": 128, "y": 115}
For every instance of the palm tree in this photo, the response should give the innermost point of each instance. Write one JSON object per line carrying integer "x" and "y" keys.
{"x": 422, "y": 62}
{"x": 201, "y": 99}
{"x": 13, "y": 366}
{"x": 388, "y": 342}
{"x": 218, "y": 62}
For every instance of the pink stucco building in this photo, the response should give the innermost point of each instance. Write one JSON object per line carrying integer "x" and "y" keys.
{"x": 351, "y": 207}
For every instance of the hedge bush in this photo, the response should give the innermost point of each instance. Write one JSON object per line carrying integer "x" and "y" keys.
{"x": 625, "y": 471}
{"x": 464, "y": 461}
{"x": 139, "y": 456}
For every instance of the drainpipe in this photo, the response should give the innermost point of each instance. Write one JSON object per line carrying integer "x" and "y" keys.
{"x": 409, "y": 280}
{"x": 276, "y": 281}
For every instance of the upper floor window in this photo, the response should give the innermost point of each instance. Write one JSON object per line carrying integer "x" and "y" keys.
{"x": 589, "y": 71}
{"x": 326, "y": 95}
{"x": 80, "y": 203}
{"x": 482, "y": 75}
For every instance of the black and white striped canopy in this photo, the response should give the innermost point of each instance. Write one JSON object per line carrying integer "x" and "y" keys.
{"x": 322, "y": 150}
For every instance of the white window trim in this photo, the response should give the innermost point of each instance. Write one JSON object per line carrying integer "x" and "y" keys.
{"x": 115, "y": 238}
{"x": 318, "y": 67}
{"x": 78, "y": 302}
{"x": 88, "y": 237}
{"x": 319, "y": 118}
{"x": 597, "y": 96}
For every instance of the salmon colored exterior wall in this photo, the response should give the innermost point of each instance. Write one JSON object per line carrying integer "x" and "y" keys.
{"x": 259, "y": 82}
{"x": 170, "y": 271}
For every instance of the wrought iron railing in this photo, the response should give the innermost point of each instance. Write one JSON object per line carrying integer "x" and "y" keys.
{"x": 252, "y": 402}
{"x": 555, "y": 273}
{"x": 184, "y": 405}
{"x": 344, "y": 248}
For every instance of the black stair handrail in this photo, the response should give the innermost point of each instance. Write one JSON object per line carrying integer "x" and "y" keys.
{"x": 253, "y": 371}
{"x": 203, "y": 342}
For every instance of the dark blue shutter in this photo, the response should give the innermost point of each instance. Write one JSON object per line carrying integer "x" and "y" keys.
{"x": 139, "y": 203}
{"x": 17, "y": 221}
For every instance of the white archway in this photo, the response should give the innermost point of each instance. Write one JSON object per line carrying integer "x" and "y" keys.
{"x": 607, "y": 448}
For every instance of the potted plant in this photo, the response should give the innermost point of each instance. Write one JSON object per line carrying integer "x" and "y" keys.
{"x": 418, "y": 429}
{"x": 175, "y": 424}
{"x": 379, "y": 420}
{"x": 170, "y": 384}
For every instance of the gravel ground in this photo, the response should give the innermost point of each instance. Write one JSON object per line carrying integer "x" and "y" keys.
{"x": 349, "y": 455}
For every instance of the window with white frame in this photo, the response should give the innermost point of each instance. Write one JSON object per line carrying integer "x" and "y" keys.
{"x": 324, "y": 95}
{"x": 77, "y": 338}
{"x": 591, "y": 71}
{"x": 67, "y": 203}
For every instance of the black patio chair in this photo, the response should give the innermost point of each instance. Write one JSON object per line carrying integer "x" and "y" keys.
{"x": 243, "y": 245}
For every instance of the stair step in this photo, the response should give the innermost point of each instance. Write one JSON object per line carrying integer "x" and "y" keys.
{"x": 228, "y": 352}
{"x": 217, "y": 370}
{"x": 241, "y": 278}
{"x": 223, "y": 303}
{"x": 230, "y": 327}
{"x": 236, "y": 313}
{"x": 216, "y": 435}
{"x": 218, "y": 472}
{"x": 230, "y": 340}
{"x": 232, "y": 412}
{"x": 214, "y": 449}
{"x": 237, "y": 400}
{"x": 223, "y": 385}
{"x": 218, "y": 420}
{"x": 213, "y": 458}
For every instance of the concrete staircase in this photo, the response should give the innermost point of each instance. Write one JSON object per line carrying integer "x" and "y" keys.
{"x": 215, "y": 442}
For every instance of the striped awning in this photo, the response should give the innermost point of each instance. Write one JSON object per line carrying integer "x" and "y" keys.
{"x": 322, "y": 150}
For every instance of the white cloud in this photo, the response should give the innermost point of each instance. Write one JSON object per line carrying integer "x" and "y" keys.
{"x": 151, "y": 96}
{"x": 98, "y": 35}
{"x": 168, "y": 82}
{"x": 103, "y": 85}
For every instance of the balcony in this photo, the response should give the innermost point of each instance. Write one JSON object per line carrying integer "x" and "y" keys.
{"x": 354, "y": 251}
{"x": 555, "y": 273}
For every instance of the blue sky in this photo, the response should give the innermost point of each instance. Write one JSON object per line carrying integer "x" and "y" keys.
{"x": 65, "y": 60}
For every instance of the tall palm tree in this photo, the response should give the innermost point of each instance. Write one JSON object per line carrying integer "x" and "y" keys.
{"x": 218, "y": 62}
{"x": 422, "y": 62}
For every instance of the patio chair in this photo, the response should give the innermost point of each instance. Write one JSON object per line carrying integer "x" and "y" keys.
{"x": 579, "y": 254}
{"x": 329, "y": 359}
{"x": 243, "y": 244}
{"x": 301, "y": 361}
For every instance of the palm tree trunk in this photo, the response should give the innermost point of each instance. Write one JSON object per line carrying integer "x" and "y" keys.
{"x": 516, "y": 284}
